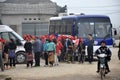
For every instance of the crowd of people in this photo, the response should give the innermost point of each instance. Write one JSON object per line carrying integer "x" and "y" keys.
{"x": 8, "y": 54}
{"x": 54, "y": 49}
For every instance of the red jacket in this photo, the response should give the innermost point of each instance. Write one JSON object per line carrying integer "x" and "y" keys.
{"x": 59, "y": 46}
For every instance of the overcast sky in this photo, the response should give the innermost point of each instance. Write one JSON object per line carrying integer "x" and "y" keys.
{"x": 105, "y": 7}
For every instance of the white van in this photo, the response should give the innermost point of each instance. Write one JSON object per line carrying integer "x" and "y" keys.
{"x": 7, "y": 33}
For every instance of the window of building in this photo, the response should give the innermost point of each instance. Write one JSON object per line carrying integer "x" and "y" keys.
{"x": 25, "y": 18}
{"x": 30, "y": 18}
{"x": 38, "y": 18}
{"x": 34, "y": 18}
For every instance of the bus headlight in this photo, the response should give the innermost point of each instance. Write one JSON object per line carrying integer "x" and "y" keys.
{"x": 95, "y": 42}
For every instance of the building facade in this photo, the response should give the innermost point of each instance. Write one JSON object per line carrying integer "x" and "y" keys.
{"x": 28, "y": 16}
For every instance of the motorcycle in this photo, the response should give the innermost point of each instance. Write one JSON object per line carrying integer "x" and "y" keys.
{"x": 102, "y": 66}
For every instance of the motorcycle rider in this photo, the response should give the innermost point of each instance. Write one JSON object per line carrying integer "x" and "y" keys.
{"x": 103, "y": 49}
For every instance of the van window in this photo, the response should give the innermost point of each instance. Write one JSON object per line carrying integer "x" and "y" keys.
{"x": 8, "y": 35}
{"x": 17, "y": 36}
{"x": 13, "y": 36}
{"x": 5, "y": 35}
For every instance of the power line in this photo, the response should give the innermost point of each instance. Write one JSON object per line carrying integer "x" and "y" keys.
{"x": 118, "y": 12}
{"x": 97, "y": 6}
{"x": 98, "y": 9}
{"x": 106, "y": 10}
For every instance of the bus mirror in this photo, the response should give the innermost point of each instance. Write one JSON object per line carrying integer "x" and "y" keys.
{"x": 115, "y": 32}
{"x": 111, "y": 25}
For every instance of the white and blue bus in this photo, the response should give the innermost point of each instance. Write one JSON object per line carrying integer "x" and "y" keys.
{"x": 81, "y": 25}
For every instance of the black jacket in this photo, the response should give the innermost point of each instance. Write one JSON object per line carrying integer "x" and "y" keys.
{"x": 6, "y": 47}
{"x": 12, "y": 46}
{"x": 81, "y": 47}
{"x": 28, "y": 47}
{"x": 104, "y": 50}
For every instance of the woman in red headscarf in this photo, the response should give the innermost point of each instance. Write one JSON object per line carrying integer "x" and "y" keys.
{"x": 58, "y": 47}
{"x": 81, "y": 51}
{"x": 29, "y": 54}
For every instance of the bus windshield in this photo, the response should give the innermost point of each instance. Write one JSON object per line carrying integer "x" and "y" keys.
{"x": 98, "y": 29}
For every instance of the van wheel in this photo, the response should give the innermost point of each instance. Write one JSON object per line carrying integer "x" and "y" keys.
{"x": 20, "y": 57}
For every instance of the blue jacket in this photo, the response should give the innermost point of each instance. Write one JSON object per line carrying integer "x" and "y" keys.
{"x": 50, "y": 46}
{"x": 37, "y": 46}
{"x": 45, "y": 46}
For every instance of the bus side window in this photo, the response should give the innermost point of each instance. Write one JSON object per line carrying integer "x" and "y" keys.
{"x": 64, "y": 27}
{"x": 52, "y": 29}
{"x": 69, "y": 25}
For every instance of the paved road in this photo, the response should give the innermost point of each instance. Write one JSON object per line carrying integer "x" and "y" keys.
{"x": 65, "y": 71}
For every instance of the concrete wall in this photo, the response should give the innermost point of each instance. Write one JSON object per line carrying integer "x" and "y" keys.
{"x": 14, "y": 15}
{"x": 17, "y": 20}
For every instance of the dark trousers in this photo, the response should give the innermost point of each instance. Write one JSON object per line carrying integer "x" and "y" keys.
{"x": 12, "y": 62}
{"x": 37, "y": 58}
{"x": 70, "y": 56}
{"x": 1, "y": 62}
{"x": 106, "y": 64}
{"x": 90, "y": 56}
{"x": 74, "y": 54}
{"x": 81, "y": 57}
{"x": 62, "y": 56}
{"x": 46, "y": 58}
{"x": 30, "y": 62}
{"x": 119, "y": 54}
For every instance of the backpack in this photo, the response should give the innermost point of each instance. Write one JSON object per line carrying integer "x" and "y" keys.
{"x": 11, "y": 53}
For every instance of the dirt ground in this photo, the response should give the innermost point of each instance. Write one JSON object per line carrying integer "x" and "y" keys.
{"x": 65, "y": 71}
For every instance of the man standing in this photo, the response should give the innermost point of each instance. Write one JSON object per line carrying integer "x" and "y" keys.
{"x": 1, "y": 60}
{"x": 37, "y": 48}
{"x": 90, "y": 48}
